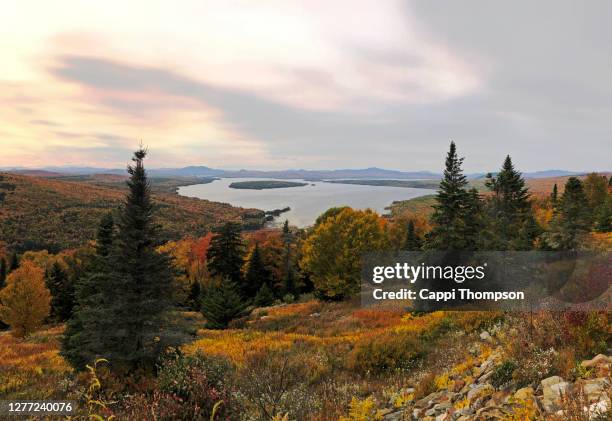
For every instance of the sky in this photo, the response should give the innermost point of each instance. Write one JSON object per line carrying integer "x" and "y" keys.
{"x": 317, "y": 84}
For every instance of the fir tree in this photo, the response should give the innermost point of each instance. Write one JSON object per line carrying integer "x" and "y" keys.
{"x": 105, "y": 235}
{"x": 527, "y": 235}
{"x": 573, "y": 218}
{"x": 264, "y": 297}
{"x": 226, "y": 253}
{"x": 509, "y": 207}
{"x": 222, "y": 304}
{"x": 554, "y": 196}
{"x": 62, "y": 293}
{"x": 452, "y": 211}
{"x": 256, "y": 274}
{"x": 123, "y": 304}
{"x": 195, "y": 292}
{"x": 603, "y": 217}
{"x": 413, "y": 241}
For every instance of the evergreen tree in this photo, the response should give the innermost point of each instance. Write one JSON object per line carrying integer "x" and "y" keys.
{"x": 226, "y": 253}
{"x": 413, "y": 241}
{"x": 256, "y": 274}
{"x": 123, "y": 305}
{"x": 3, "y": 270}
{"x": 264, "y": 297}
{"x": 527, "y": 235}
{"x": 554, "y": 196}
{"x": 222, "y": 304}
{"x": 603, "y": 218}
{"x": 452, "y": 211}
{"x": 84, "y": 332}
{"x": 573, "y": 218}
{"x": 195, "y": 292}
{"x": 62, "y": 293}
{"x": 509, "y": 207}
{"x": 105, "y": 236}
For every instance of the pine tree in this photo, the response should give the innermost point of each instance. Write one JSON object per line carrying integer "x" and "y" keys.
{"x": 62, "y": 293}
{"x": 452, "y": 211}
{"x": 82, "y": 342}
{"x": 527, "y": 235}
{"x": 195, "y": 292}
{"x": 3, "y": 270}
{"x": 222, "y": 304}
{"x": 413, "y": 241}
{"x": 105, "y": 236}
{"x": 264, "y": 297}
{"x": 256, "y": 274}
{"x": 508, "y": 208}
{"x": 573, "y": 218}
{"x": 603, "y": 218}
{"x": 226, "y": 253}
{"x": 123, "y": 305}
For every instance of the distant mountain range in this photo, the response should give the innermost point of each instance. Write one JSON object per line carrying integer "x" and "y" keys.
{"x": 372, "y": 173}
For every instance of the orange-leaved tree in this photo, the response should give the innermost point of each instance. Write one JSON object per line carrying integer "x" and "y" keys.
{"x": 25, "y": 301}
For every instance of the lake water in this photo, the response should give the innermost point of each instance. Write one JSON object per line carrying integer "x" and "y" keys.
{"x": 306, "y": 202}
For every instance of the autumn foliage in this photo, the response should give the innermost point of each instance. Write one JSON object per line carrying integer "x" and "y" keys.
{"x": 25, "y": 301}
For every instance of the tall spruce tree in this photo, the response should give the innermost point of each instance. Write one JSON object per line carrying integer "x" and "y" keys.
{"x": 452, "y": 216}
{"x": 82, "y": 342}
{"x": 62, "y": 293}
{"x": 508, "y": 208}
{"x": 554, "y": 196}
{"x": 221, "y": 304}
{"x": 573, "y": 218}
{"x": 413, "y": 241}
{"x": 226, "y": 253}
{"x": 123, "y": 307}
{"x": 256, "y": 274}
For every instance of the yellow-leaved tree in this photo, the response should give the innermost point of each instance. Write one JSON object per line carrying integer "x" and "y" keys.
{"x": 25, "y": 301}
{"x": 332, "y": 253}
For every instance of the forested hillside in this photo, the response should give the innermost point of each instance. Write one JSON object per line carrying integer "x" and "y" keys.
{"x": 44, "y": 213}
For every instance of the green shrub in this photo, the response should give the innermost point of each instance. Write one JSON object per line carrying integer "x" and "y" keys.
{"x": 503, "y": 374}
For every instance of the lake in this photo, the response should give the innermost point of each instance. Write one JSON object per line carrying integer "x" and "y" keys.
{"x": 306, "y": 202}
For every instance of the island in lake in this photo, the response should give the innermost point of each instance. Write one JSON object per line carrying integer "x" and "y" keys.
{"x": 265, "y": 184}
{"x": 419, "y": 184}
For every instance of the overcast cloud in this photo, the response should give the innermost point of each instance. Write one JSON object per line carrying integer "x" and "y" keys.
{"x": 314, "y": 84}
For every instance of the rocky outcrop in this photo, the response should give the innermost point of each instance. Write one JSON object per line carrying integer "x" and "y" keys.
{"x": 466, "y": 393}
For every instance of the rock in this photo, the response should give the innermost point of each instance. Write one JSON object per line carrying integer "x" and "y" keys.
{"x": 458, "y": 385}
{"x": 315, "y": 315}
{"x": 430, "y": 412}
{"x": 550, "y": 381}
{"x": 598, "y": 408}
{"x": 486, "y": 336}
{"x": 442, "y": 407}
{"x": 598, "y": 359}
{"x": 553, "y": 388}
{"x": 594, "y": 389}
{"x": 524, "y": 394}
{"x": 491, "y": 413}
{"x": 485, "y": 377}
{"x": 480, "y": 391}
{"x": 394, "y": 416}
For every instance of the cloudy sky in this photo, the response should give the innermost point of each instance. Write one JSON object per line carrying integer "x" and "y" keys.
{"x": 316, "y": 84}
